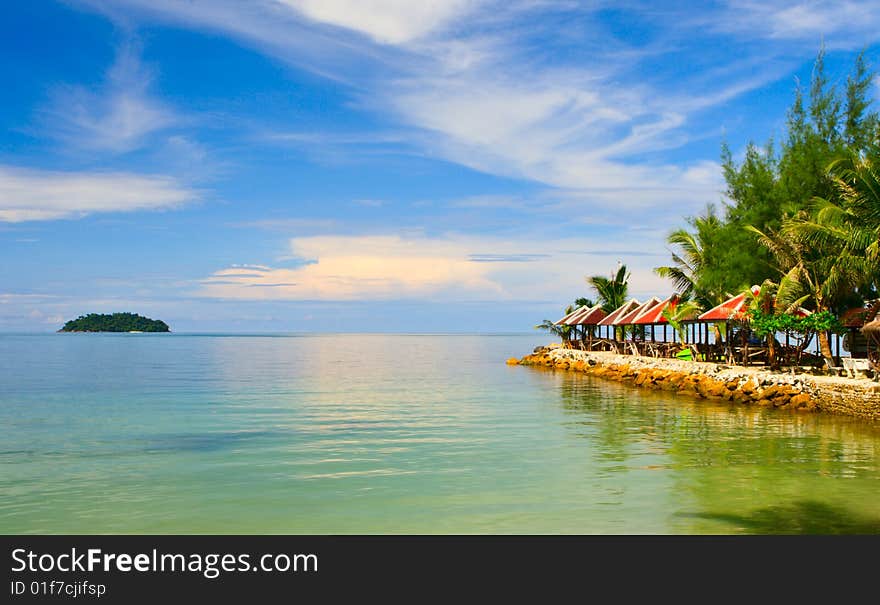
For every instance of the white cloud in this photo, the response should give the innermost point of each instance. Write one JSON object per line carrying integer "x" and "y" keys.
{"x": 118, "y": 117}
{"x": 451, "y": 267}
{"x": 844, "y": 24}
{"x": 386, "y": 21}
{"x": 478, "y": 84}
{"x": 12, "y": 297}
{"x": 33, "y": 195}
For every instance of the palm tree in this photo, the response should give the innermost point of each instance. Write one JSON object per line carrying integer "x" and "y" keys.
{"x": 684, "y": 309}
{"x": 850, "y": 219}
{"x": 767, "y": 299}
{"x": 689, "y": 263}
{"x": 561, "y": 331}
{"x": 817, "y": 277}
{"x": 612, "y": 291}
{"x": 824, "y": 256}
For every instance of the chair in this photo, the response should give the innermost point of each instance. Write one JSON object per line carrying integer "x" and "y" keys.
{"x": 854, "y": 366}
{"x": 836, "y": 370}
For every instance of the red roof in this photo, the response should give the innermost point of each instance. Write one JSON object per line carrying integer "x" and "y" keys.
{"x": 564, "y": 320}
{"x": 580, "y": 312}
{"x": 654, "y": 315}
{"x": 733, "y": 308}
{"x": 590, "y": 318}
{"x": 630, "y": 318}
{"x": 611, "y": 318}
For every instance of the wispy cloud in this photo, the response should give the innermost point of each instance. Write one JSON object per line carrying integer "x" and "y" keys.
{"x": 117, "y": 117}
{"x": 476, "y": 83}
{"x": 385, "y": 21}
{"x": 34, "y": 195}
{"x": 449, "y": 267}
{"x": 841, "y": 24}
{"x": 292, "y": 225}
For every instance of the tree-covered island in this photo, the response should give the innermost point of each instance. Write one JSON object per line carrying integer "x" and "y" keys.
{"x": 116, "y": 322}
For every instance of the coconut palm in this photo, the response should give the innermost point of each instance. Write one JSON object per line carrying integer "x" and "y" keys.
{"x": 850, "y": 219}
{"x": 562, "y": 332}
{"x": 612, "y": 291}
{"x": 675, "y": 315}
{"x": 689, "y": 262}
{"x": 808, "y": 275}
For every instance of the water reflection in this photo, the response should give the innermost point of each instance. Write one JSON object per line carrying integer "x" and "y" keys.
{"x": 807, "y": 473}
{"x": 801, "y": 517}
{"x": 397, "y": 434}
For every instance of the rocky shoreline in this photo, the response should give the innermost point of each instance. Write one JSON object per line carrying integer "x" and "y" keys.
{"x": 802, "y": 392}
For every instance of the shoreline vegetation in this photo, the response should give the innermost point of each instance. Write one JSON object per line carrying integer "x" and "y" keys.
{"x": 115, "y": 322}
{"x": 789, "y": 265}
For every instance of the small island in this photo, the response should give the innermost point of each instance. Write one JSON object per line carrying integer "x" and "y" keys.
{"x": 116, "y": 322}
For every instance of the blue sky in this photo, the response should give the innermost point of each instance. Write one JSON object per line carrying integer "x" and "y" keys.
{"x": 375, "y": 165}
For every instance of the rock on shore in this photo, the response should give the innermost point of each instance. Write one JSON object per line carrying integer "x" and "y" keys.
{"x": 737, "y": 384}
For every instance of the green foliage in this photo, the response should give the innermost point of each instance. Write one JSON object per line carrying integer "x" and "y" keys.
{"x": 764, "y": 323}
{"x": 773, "y": 186}
{"x": 676, "y": 316}
{"x": 692, "y": 253}
{"x": 820, "y": 321}
{"x": 612, "y": 291}
{"x": 563, "y": 332}
{"x": 117, "y": 322}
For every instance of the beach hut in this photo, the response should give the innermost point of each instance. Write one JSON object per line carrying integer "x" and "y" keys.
{"x": 587, "y": 320}
{"x": 654, "y": 316}
{"x": 855, "y": 342}
{"x": 734, "y": 308}
{"x": 609, "y": 320}
{"x": 565, "y": 320}
{"x": 572, "y": 318}
{"x": 629, "y": 319}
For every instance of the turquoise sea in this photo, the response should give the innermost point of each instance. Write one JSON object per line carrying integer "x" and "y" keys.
{"x": 177, "y": 433}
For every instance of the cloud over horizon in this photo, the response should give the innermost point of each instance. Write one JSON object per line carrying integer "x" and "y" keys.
{"x": 452, "y": 267}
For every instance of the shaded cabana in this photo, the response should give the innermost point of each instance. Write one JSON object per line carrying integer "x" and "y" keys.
{"x": 856, "y": 341}
{"x": 587, "y": 320}
{"x": 734, "y": 308}
{"x": 610, "y": 319}
{"x": 654, "y": 317}
{"x": 629, "y": 319}
{"x": 566, "y": 321}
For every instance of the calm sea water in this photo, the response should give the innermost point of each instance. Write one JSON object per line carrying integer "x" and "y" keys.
{"x": 396, "y": 434}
